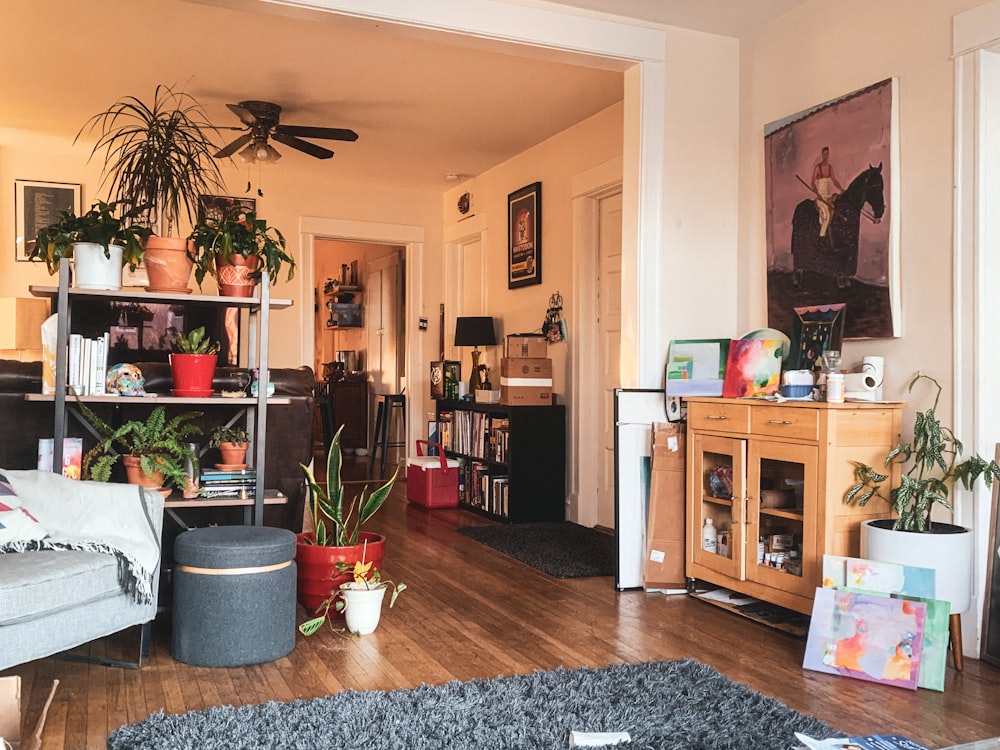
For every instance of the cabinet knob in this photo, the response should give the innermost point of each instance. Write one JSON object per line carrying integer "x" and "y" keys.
{"x": 779, "y": 421}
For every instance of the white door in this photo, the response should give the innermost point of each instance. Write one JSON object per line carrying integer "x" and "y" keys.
{"x": 609, "y": 325}
{"x": 382, "y": 315}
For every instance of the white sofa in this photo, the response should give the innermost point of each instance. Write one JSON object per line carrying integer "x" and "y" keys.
{"x": 93, "y": 572}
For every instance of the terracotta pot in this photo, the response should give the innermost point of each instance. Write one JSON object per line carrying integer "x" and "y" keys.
{"x": 233, "y": 454}
{"x": 135, "y": 474}
{"x": 168, "y": 265}
{"x": 193, "y": 374}
{"x": 234, "y": 277}
{"x": 318, "y": 576}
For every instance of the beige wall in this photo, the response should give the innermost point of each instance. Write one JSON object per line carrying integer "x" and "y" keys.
{"x": 819, "y": 52}
{"x": 554, "y": 163}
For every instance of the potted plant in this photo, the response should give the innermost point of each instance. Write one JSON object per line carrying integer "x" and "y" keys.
{"x": 153, "y": 450}
{"x": 359, "y": 599}
{"x": 235, "y": 245}
{"x": 337, "y": 536}
{"x": 192, "y": 364}
{"x": 232, "y": 443}
{"x": 929, "y": 467}
{"x": 158, "y": 155}
{"x": 99, "y": 243}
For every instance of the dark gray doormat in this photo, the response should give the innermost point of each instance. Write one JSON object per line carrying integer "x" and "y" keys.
{"x": 672, "y": 705}
{"x": 561, "y": 549}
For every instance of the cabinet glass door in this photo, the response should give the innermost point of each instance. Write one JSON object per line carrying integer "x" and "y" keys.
{"x": 719, "y": 469}
{"x": 781, "y": 516}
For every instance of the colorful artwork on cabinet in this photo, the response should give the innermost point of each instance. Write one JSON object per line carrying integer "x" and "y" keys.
{"x": 752, "y": 368}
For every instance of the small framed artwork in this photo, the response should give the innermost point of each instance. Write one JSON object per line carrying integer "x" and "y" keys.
{"x": 524, "y": 236}
{"x": 36, "y": 205}
{"x": 214, "y": 206}
{"x": 815, "y": 329}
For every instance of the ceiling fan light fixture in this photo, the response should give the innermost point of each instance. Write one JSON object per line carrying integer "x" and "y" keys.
{"x": 270, "y": 154}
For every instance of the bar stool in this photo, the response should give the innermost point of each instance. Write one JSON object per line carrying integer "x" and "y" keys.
{"x": 387, "y": 404}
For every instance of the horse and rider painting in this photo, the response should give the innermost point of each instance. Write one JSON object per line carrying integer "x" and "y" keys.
{"x": 831, "y": 223}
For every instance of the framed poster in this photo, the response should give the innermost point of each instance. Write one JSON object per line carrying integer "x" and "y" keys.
{"x": 36, "y": 205}
{"x": 832, "y": 184}
{"x": 214, "y": 206}
{"x": 524, "y": 236}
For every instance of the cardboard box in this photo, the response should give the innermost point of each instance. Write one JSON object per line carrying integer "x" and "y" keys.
{"x": 526, "y": 367}
{"x": 10, "y": 710}
{"x": 666, "y": 530}
{"x": 530, "y": 345}
{"x": 526, "y": 395}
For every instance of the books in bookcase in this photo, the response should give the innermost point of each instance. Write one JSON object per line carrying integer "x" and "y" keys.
{"x": 87, "y": 365}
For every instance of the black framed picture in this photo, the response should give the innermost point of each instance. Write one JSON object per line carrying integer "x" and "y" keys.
{"x": 214, "y": 206}
{"x": 524, "y": 238}
{"x": 36, "y": 205}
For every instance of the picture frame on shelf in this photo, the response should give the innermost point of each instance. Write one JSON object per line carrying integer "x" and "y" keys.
{"x": 37, "y": 204}
{"x": 213, "y": 206}
{"x": 524, "y": 236}
{"x": 815, "y": 329}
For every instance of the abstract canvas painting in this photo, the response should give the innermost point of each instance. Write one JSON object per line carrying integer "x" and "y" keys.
{"x": 832, "y": 216}
{"x": 752, "y": 368}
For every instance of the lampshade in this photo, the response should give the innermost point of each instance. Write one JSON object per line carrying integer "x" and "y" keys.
{"x": 477, "y": 331}
{"x": 259, "y": 151}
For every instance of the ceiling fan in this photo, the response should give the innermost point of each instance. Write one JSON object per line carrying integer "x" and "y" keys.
{"x": 261, "y": 121}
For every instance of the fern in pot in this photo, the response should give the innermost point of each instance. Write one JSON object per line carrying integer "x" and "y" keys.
{"x": 929, "y": 467}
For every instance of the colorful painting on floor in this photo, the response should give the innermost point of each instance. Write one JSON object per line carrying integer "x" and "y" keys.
{"x": 752, "y": 368}
{"x": 866, "y": 636}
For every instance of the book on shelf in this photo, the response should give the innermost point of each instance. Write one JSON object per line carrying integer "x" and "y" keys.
{"x": 87, "y": 365}
{"x": 210, "y": 474}
{"x": 228, "y": 490}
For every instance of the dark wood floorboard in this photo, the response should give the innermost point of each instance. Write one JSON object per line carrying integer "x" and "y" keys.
{"x": 470, "y": 612}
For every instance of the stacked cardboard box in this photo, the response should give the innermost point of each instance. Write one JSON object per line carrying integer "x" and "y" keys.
{"x": 665, "y": 551}
{"x": 526, "y": 373}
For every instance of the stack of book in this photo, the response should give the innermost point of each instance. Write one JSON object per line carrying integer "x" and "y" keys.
{"x": 226, "y": 483}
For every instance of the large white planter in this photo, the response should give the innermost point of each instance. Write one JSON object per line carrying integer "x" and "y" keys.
{"x": 948, "y": 550}
{"x": 91, "y": 270}
{"x": 362, "y": 607}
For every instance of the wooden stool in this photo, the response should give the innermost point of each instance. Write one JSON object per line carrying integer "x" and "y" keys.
{"x": 387, "y": 404}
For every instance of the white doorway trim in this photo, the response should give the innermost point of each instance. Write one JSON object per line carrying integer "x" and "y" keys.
{"x": 637, "y": 48}
{"x": 412, "y": 239}
{"x": 587, "y": 190}
{"x": 976, "y": 270}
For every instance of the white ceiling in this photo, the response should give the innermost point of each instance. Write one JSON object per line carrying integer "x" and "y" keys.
{"x": 422, "y": 107}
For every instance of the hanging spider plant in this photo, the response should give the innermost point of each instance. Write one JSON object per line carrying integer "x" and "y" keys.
{"x": 157, "y": 155}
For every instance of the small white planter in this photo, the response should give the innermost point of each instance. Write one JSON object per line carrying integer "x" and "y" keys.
{"x": 362, "y": 606}
{"x": 91, "y": 270}
{"x": 949, "y": 553}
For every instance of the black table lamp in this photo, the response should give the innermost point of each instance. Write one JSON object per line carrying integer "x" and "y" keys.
{"x": 475, "y": 332}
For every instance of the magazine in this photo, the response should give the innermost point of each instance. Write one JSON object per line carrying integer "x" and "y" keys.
{"x": 868, "y": 742}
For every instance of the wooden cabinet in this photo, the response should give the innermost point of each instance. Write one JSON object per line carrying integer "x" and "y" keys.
{"x": 772, "y": 478}
{"x": 349, "y": 407}
{"x": 513, "y": 458}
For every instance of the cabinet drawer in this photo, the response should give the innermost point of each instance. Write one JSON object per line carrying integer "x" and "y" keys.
{"x": 785, "y": 421}
{"x": 724, "y": 416}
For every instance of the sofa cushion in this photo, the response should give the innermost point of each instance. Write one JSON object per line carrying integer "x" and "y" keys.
{"x": 33, "y": 584}
{"x": 16, "y": 522}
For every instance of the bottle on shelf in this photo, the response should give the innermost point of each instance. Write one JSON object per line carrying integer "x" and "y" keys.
{"x": 709, "y": 536}
{"x": 450, "y": 384}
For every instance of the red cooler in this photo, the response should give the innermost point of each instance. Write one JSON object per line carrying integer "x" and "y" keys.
{"x": 432, "y": 481}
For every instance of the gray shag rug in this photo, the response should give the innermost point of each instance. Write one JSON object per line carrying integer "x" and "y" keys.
{"x": 561, "y": 549}
{"x": 682, "y": 705}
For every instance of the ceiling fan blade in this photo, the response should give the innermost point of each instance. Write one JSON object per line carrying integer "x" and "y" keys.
{"x": 305, "y": 131}
{"x": 235, "y": 146}
{"x": 246, "y": 117}
{"x": 310, "y": 148}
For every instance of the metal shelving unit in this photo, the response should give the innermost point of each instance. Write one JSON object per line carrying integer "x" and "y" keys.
{"x": 258, "y": 309}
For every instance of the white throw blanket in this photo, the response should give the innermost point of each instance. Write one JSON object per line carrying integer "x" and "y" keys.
{"x": 97, "y": 517}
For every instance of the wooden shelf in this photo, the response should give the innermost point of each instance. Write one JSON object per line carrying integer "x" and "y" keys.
{"x": 154, "y": 399}
{"x": 137, "y": 293}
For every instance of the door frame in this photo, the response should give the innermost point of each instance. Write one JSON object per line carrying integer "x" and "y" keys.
{"x": 456, "y": 237}
{"x": 587, "y": 190}
{"x": 411, "y": 239}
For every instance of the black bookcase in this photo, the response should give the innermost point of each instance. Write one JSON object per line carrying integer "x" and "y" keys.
{"x": 521, "y": 452}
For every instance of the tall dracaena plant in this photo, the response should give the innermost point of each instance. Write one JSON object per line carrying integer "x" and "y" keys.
{"x": 346, "y": 520}
{"x": 157, "y": 155}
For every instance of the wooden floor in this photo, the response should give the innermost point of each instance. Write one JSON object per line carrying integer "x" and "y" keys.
{"x": 470, "y": 612}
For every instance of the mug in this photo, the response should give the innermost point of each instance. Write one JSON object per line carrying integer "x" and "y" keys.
{"x": 255, "y": 383}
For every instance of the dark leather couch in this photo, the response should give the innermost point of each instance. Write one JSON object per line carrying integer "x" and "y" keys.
{"x": 289, "y": 436}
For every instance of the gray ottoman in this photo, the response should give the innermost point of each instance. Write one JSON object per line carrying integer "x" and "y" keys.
{"x": 234, "y": 595}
